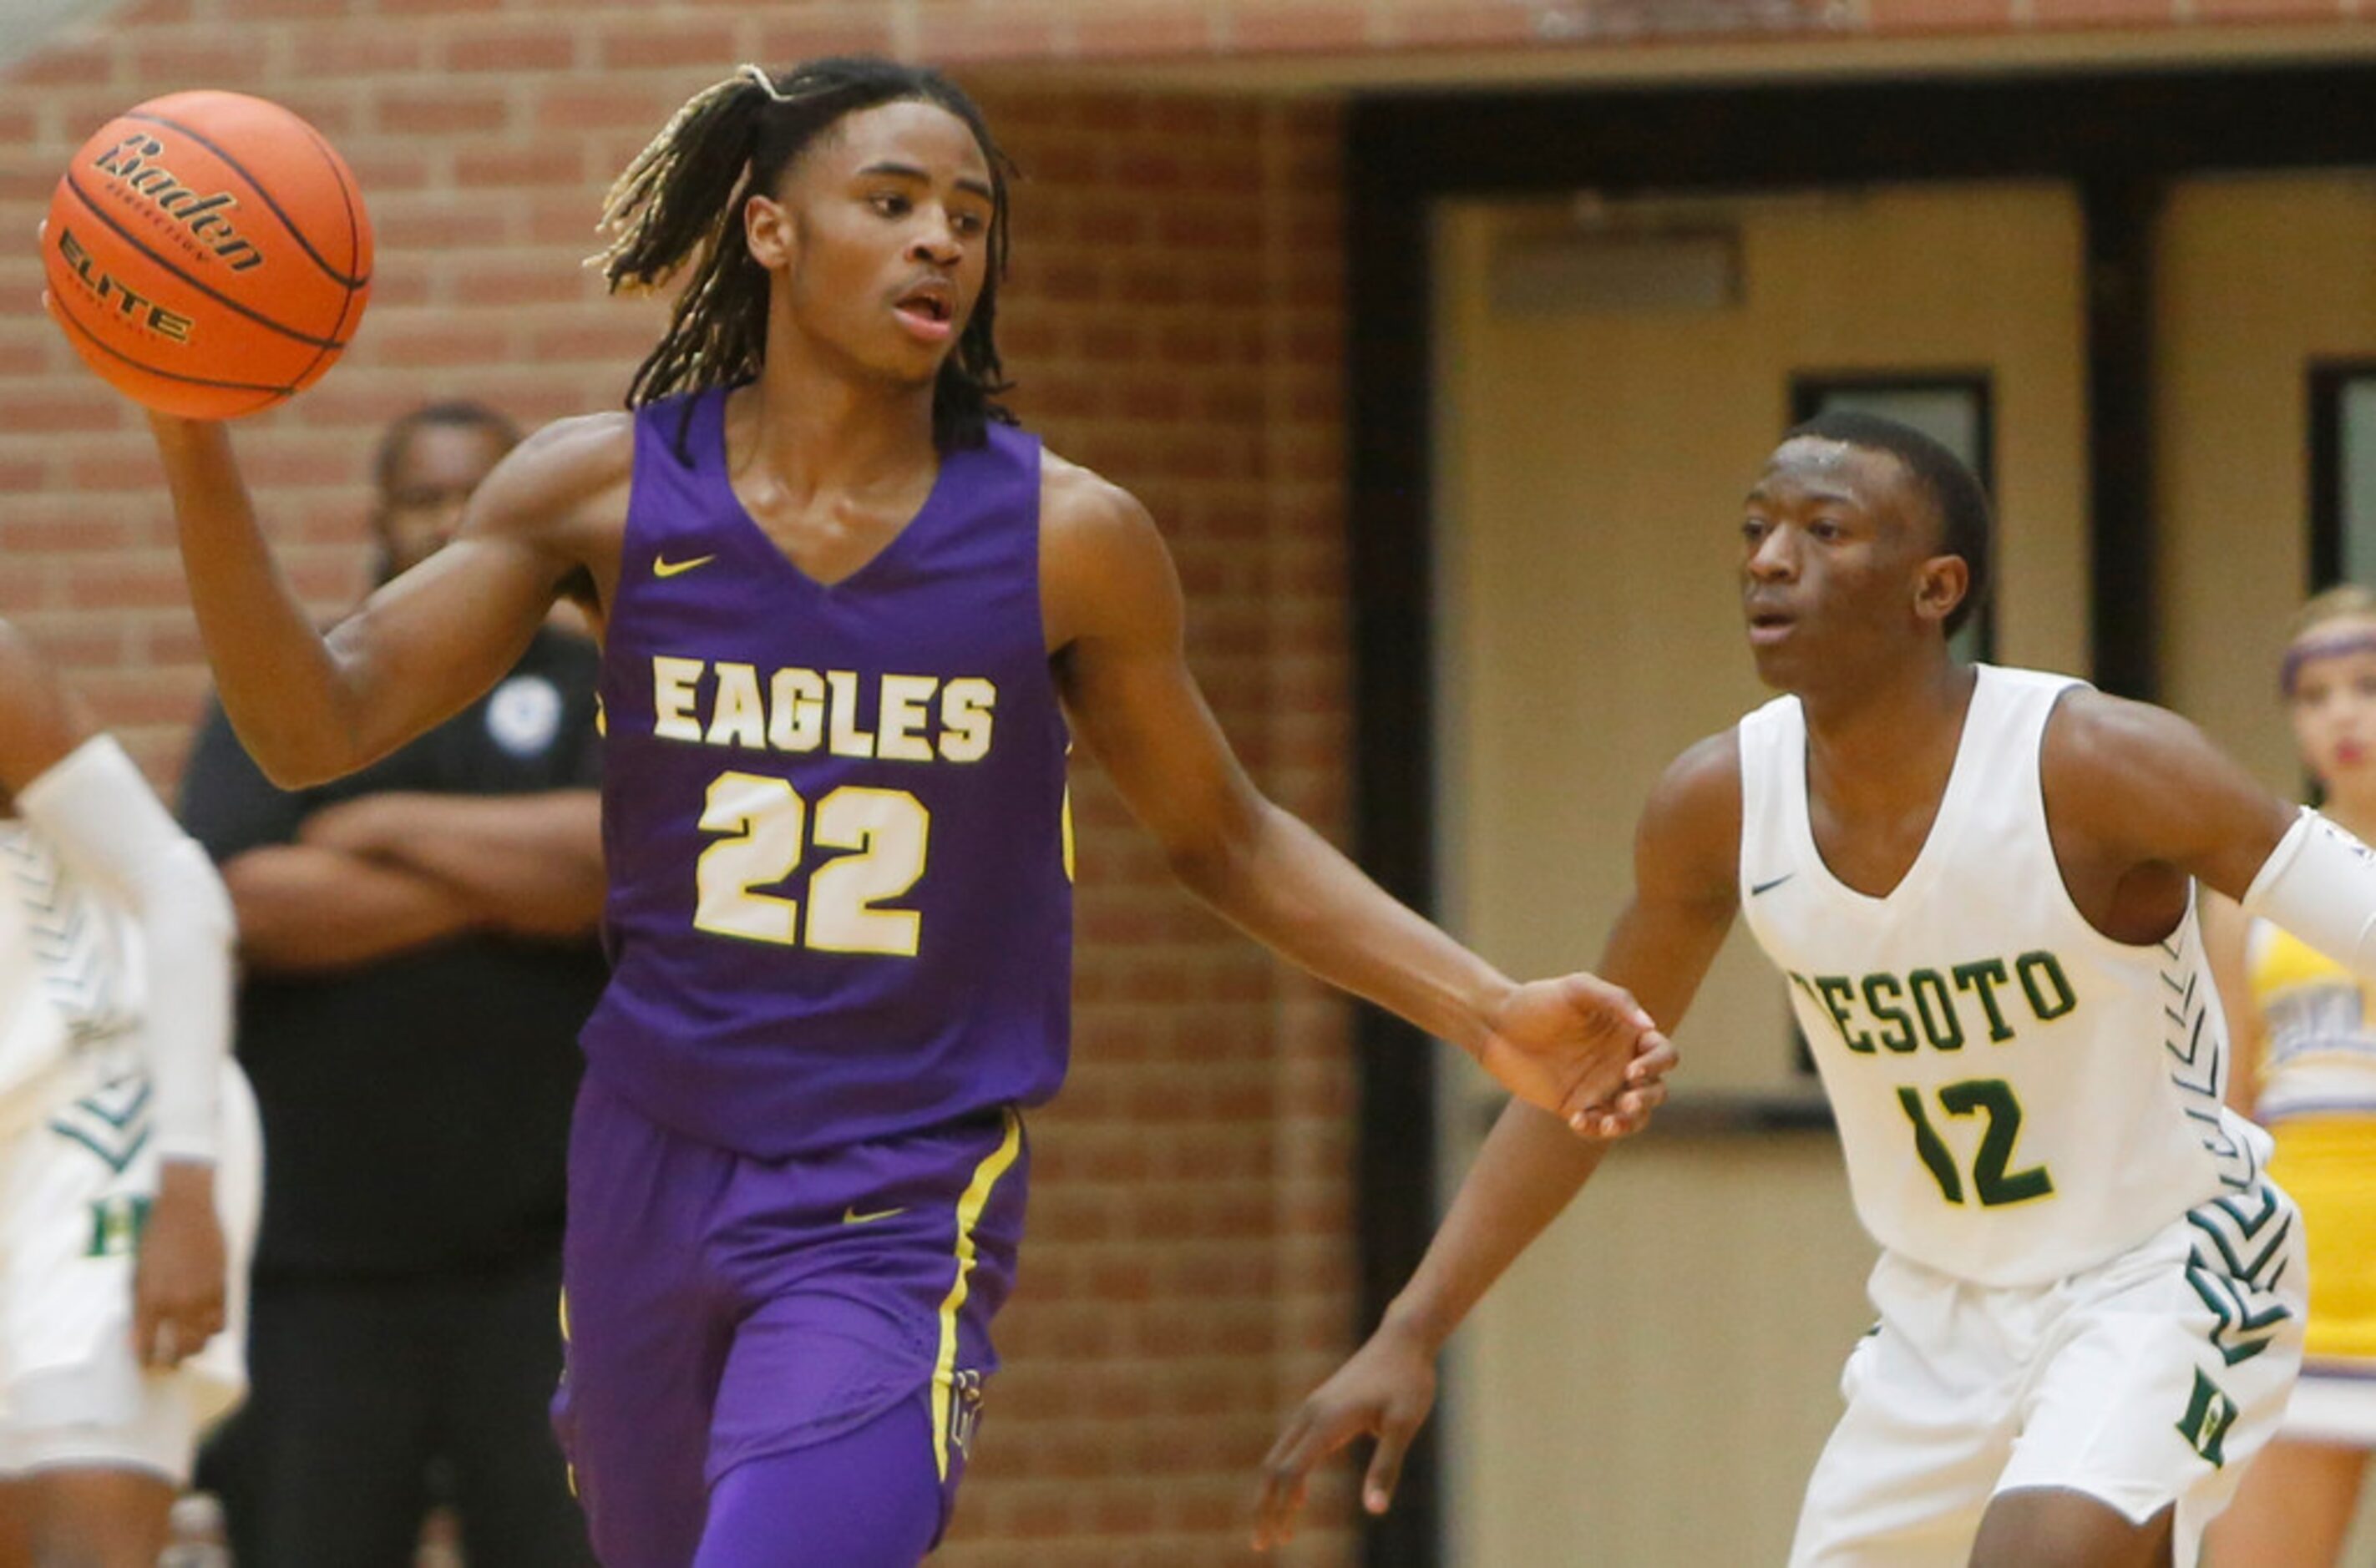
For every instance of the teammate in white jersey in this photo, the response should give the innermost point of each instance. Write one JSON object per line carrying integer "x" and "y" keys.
{"x": 2305, "y": 1033}
{"x": 128, "y": 1163}
{"x": 1980, "y": 883}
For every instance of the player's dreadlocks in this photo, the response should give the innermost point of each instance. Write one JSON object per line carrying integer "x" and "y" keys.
{"x": 685, "y": 192}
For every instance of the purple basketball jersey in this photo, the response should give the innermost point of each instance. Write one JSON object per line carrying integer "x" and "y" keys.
{"x": 839, "y": 905}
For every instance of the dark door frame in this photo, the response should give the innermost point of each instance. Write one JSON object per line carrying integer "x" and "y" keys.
{"x": 2118, "y": 138}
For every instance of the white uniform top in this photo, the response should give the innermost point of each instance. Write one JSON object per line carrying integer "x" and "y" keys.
{"x": 69, "y": 973}
{"x": 2019, "y": 1096}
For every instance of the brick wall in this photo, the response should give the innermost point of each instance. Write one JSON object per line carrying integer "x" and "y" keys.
{"x": 1174, "y": 318}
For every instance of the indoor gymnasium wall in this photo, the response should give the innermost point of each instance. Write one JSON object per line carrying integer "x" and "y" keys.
{"x": 1174, "y": 319}
{"x": 2259, "y": 278}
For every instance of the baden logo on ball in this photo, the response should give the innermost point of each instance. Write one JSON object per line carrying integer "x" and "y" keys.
{"x": 208, "y": 254}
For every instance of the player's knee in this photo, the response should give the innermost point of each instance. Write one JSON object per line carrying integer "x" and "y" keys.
{"x": 97, "y": 1518}
{"x": 2051, "y": 1527}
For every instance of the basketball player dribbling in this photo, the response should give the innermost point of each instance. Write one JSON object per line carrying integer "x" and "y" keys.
{"x": 847, "y": 610}
{"x": 127, "y": 1142}
{"x": 1979, "y": 883}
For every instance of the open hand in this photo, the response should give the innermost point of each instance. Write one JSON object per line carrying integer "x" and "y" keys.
{"x": 1385, "y": 1392}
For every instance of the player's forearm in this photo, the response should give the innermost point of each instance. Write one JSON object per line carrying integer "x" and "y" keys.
{"x": 1528, "y": 1170}
{"x": 280, "y": 685}
{"x": 1288, "y": 889}
{"x": 306, "y": 910}
{"x": 95, "y": 806}
{"x": 528, "y": 863}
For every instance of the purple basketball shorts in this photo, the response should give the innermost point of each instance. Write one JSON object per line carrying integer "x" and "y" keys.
{"x": 718, "y": 1309}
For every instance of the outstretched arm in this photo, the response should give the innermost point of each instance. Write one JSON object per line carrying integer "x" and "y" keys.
{"x": 311, "y": 709}
{"x": 1685, "y": 894}
{"x": 1114, "y": 613}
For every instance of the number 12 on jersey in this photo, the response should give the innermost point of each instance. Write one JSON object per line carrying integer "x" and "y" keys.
{"x": 1994, "y": 1184}
{"x": 770, "y": 828}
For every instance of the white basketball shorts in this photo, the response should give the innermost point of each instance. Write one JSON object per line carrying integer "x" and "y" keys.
{"x": 2149, "y": 1380}
{"x": 76, "y": 1174}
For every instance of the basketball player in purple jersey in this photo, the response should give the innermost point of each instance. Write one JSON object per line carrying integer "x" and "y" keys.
{"x": 850, "y": 616}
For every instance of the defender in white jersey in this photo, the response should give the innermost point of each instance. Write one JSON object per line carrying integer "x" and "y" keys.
{"x": 128, "y": 1160}
{"x": 1980, "y": 883}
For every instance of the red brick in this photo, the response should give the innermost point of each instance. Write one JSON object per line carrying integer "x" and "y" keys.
{"x": 435, "y": 7}
{"x": 511, "y": 49}
{"x": 519, "y": 283}
{"x": 573, "y": 107}
{"x": 65, "y": 65}
{"x": 436, "y": 346}
{"x": 408, "y": 111}
{"x": 422, "y": 222}
{"x": 559, "y": 162}
{"x": 814, "y": 29}
{"x": 273, "y": 10}
{"x": 1017, "y": 31}
{"x": 1144, "y": 30}
{"x": 192, "y": 62}
{"x": 2269, "y": 10}
{"x": 125, "y": 581}
{"x": 1940, "y": 16}
{"x": 1270, "y": 28}
{"x": 2103, "y": 13}
{"x": 57, "y": 409}
{"x": 641, "y": 47}
{"x": 1447, "y": 24}
{"x": 344, "y": 49}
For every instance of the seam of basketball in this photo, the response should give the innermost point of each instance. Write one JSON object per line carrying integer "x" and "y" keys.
{"x": 354, "y": 242}
{"x": 265, "y": 196}
{"x": 67, "y": 314}
{"x": 135, "y": 241}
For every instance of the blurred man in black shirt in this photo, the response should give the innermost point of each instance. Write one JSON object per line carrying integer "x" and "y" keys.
{"x": 419, "y": 950}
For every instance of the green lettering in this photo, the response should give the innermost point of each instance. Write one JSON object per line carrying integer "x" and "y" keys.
{"x": 1982, "y": 978}
{"x": 1836, "y": 992}
{"x": 1937, "y": 1007}
{"x": 2030, "y": 967}
{"x": 1927, "y": 1146}
{"x": 1996, "y": 1185}
{"x": 1901, "y": 1035}
{"x": 116, "y": 1222}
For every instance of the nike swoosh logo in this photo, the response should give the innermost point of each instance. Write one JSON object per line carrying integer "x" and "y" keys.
{"x": 663, "y": 567}
{"x": 1757, "y": 887}
{"x": 851, "y": 1217}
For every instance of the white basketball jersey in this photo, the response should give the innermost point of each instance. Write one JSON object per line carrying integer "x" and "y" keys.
{"x": 2019, "y": 1096}
{"x": 69, "y": 966}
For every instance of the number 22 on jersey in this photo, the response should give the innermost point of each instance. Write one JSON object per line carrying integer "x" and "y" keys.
{"x": 771, "y": 829}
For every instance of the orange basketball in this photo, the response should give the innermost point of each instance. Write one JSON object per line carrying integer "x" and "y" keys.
{"x": 208, "y": 254}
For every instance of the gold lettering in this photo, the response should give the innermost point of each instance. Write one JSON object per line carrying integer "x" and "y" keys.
{"x": 676, "y": 689}
{"x": 846, "y": 738}
{"x": 965, "y": 707}
{"x": 796, "y": 715}
{"x": 906, "y": 710}
{"x": 738, "y": 719}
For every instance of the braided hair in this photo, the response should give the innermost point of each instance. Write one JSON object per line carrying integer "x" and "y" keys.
{"x": 682, "y": 196}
